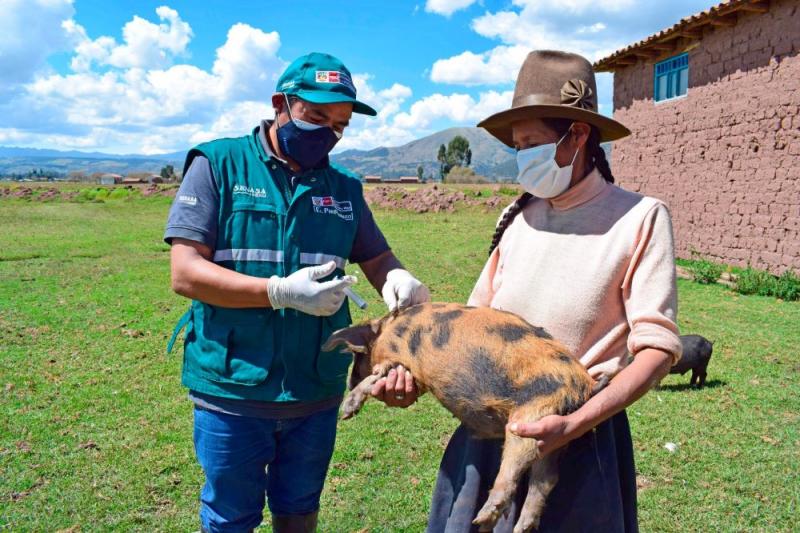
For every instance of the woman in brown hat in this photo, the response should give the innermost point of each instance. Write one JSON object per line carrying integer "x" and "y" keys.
{"x": 591, "y": 263}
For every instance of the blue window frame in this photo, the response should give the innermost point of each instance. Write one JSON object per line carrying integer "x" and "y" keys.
{"x": 671, "y": 77}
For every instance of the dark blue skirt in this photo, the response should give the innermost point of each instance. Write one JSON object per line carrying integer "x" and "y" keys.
{"x": 596, "y": 490}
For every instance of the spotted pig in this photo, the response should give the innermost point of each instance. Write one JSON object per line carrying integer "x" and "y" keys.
{"x": 485, "y": 366}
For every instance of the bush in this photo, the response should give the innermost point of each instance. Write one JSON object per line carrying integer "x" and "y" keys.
{"x": 477, "y": 193}
{"x": 787, "y": 286}
{"x": 705, "y": 271}
{"x": 86, "y": 195}
{"x": 752, "y": 281}
{"x": 119, "y": 193}
{"x": 748, "y": 281}
{"x": 506, "y": 190}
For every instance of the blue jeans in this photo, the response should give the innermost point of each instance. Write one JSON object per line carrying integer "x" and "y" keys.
{"x": 244, "y": 458}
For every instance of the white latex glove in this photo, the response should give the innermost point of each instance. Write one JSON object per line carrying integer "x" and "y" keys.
{"x": 303, "y": 292}
{"x": 403, "y": 290}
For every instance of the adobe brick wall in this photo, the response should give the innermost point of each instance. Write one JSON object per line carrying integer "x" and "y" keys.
{"x": 725, "y": 158}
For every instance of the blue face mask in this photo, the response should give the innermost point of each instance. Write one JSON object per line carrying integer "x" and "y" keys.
{"x": 305, "y": 143}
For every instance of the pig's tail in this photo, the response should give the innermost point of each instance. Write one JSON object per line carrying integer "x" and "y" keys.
{"x": 508, "y": 217}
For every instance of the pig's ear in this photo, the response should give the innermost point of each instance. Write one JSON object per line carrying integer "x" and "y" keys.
{"x": 356, "y": 339}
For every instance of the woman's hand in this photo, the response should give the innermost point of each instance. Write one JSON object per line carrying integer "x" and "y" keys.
{"x": 552, "y": 432}
{"x": 397, "y": 389}
{"x": 646, "y": 370}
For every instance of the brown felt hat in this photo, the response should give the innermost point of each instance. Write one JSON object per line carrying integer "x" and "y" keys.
{"x": 553, "y": 84}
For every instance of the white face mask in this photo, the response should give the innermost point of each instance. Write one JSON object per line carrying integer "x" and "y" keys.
{"x": 539, "y": 174}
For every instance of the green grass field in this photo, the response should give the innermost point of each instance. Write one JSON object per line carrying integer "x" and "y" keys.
{"x": 95, "y": 430}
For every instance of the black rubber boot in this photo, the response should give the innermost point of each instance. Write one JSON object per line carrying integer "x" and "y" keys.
{"x": 294, "y": 523}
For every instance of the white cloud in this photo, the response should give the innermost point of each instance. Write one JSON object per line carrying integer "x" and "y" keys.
{"x": 447, "y": 7}
{"x": 30, "y": 31}
{"x": 534, "y": 33}
{"x": 129, "y": 97}
{"x": 499, "y": 65}
{"x": 146, "y": 44}
{"x": 370, "y": 132}
{"x": 136, "y": 92}
{"x": 89, "y": 51}
{"x": 457, "y": 107}
{"x": 234, "y": 121}
{"x": 519, "y": 33}
{"x": 575, "y": 6}
{"x": 146, "y": 105}
{"x": 594, "y": 28}
{"x": 247, "y": 64}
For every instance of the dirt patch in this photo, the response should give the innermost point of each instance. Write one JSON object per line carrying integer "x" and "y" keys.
{"x": 49, "y": 194}
{"x": 643, "y": 483}
{"x": 150, "y": 190}
{"x": 433, "y": 199}
{"x": 22, "y": 193}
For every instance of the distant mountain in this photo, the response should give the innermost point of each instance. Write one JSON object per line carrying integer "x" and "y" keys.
{"x": 13, "y": 151}
{"x": 490, "y": 157}
{"x": 15, "y": 160}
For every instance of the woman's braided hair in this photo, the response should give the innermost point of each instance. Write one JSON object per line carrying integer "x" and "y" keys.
{"x": 593, "y": 150}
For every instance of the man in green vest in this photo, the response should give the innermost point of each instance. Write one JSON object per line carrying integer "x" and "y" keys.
{"x": 261, "y": 229}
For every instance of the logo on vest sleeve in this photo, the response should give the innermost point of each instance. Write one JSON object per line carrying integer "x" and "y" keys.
{"x": 187, "y": 199}
{"x": 328, "y": 205}
{"x": 253, "y": 192}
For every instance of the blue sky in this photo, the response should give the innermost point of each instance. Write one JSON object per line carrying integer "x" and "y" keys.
{"x": 146, "y": 77}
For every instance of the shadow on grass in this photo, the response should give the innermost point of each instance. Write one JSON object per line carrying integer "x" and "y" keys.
{"x": 20, "y": 257}
{"x": 677, "y": 387}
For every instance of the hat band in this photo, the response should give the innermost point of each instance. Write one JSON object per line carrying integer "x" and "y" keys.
{"x": 543, "y": 99}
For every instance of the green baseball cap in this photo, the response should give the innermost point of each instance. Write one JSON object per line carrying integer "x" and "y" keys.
{"x": 321, "y": 79}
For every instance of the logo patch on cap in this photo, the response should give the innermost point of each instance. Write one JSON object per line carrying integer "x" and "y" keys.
{"x": 334, "y": 76}
{"x": 328, "y": 76}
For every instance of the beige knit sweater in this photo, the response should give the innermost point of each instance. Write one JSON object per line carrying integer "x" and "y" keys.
{"x": 595, "y": 267}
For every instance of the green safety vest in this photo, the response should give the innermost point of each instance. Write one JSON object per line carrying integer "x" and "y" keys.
{"x": 266, "y": 229}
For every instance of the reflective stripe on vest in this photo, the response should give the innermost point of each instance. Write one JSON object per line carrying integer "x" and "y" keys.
{"x": 249, "y": 254}
{"x": 319, "y": 259}
{"x": 275, "y": 256}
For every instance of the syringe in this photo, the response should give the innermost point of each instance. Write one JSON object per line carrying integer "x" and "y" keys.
{"x": 358, "y": 300}
{"x": 350, "y": 293}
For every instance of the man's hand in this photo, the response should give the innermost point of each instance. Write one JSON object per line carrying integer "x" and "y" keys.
{"x": 551, "y": 431}
{"x": 303, "y": 292}
{"x": 397, "y": 389}
{"x": 403, "y": 290}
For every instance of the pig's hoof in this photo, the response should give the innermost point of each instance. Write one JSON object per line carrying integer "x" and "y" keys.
{"x": 487, "y": 517}
{"x": 525, "y": 524}
{"x": 348, "y": 412}
{"x": 350, "y": 407}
